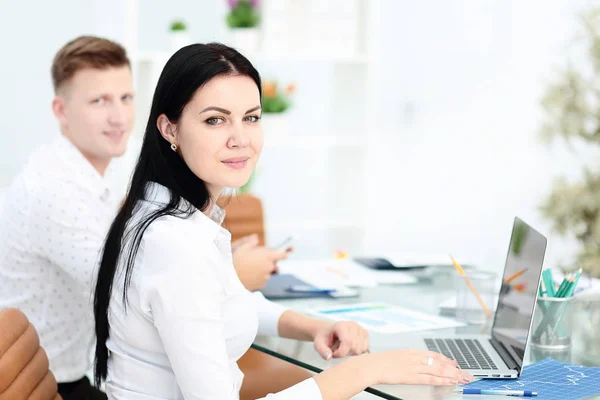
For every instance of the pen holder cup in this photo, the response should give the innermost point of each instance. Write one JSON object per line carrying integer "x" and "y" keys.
{"x": 586, "y": 325}
{"x": 552, "y": 323}
{"x": 468, "y": 306}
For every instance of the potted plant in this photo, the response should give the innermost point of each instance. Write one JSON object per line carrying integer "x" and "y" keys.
{"x": 243, "y": 20}
{"x": 572, "y": 114}
{"x": 275, "y": 103}
{"x": 179, "y": 35}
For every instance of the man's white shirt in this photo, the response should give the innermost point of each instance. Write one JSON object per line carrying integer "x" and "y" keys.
{"x": 53, "y": 222}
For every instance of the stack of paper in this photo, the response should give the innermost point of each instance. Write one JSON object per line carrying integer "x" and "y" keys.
{"x": 410, "y": 260}
{"x": 334, "y": 273}
{"x": 449, "y": 306}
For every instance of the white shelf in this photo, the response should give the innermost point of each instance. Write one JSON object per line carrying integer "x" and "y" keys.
{"x": 337, "y": 138}
{"x": 312, "y": 142}
{"x": 161, "y": 57}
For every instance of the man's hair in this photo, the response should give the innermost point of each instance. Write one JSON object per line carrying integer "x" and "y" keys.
{"x": 86, "y": 52}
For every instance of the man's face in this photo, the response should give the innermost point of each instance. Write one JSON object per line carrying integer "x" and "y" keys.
{"x": 96, "y": 111}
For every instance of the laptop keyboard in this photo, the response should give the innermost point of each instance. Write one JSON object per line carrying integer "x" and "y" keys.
{"x": 469, "y": 353}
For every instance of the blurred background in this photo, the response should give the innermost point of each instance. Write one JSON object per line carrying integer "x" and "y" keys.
{"x": 394, "y": 125}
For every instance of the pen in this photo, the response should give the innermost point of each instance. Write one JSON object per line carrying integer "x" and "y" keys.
{"x": 522, "y": 393}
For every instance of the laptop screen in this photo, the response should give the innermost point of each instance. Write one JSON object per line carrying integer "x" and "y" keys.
{"x": 518, "y": 294}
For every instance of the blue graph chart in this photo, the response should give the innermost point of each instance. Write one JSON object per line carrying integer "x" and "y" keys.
{"x": 553, "y": 380}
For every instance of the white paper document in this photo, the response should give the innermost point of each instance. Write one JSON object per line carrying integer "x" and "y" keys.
{"x": 450, "y": 305}
{"x": 342, "y": 272}
{"x": 385, "y": 318}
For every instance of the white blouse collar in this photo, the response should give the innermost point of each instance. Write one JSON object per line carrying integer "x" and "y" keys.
{"x": 159, "y": 194}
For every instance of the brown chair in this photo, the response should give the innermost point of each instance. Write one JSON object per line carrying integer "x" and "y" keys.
{"x": 264, "y": 374}
{"x": 244, "y": 216}
{"x": 24, "y": 373}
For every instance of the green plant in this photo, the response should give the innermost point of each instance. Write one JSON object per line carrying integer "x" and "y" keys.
{"x": 572, "y": 112}
{"x": 243, "y": 14}
{"x": 178, "y": 26}
{"x": 274, "y": 100}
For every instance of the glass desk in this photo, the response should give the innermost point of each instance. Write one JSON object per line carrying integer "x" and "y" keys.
{"x": 423, "y": 296}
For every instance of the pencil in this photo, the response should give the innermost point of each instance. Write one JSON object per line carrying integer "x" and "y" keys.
{"x": 515, "y": 275}
{"x": 336, "y": 271}
{"x": 461, "y": 271}
{"x": 549, "y": 280}
{"x": 575, "y": 282}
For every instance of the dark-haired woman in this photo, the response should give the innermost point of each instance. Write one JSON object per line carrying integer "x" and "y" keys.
{"x": 172, "y": 317}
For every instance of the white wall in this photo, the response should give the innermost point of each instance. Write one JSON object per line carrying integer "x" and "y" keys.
{"x": 450, "y": 176}
{"x": 446, "y": 176}
{"x": 30, "y": 34}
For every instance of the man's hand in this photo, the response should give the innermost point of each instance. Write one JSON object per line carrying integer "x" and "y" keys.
{"x": 250, "y": 239}
{"x": 254, "y": 264}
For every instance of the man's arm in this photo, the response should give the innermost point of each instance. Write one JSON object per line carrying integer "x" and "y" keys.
{"x": 68, "y": 226}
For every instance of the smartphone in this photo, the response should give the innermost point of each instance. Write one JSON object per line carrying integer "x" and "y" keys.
{"x": 285, "y": 245}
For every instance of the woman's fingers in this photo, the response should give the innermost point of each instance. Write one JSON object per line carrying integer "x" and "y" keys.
{"x": 435, "y": 380}
{"x": 439, "y": 358}
{"x": 446, "y": 371}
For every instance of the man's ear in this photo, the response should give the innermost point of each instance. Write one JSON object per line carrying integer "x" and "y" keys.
{"x": 58, "y": 109}
{"x": 167, "y": 129}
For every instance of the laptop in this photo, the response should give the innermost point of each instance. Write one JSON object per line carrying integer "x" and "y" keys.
{"x": 499, "y": 355}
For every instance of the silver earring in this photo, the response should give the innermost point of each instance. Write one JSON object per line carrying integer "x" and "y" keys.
{"x": 173, "y": 147}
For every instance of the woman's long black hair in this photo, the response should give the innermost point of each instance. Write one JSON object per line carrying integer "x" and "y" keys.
{"x": 185, "y": 72}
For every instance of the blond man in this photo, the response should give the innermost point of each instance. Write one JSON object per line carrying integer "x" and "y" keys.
{"x": 57, "y": 211}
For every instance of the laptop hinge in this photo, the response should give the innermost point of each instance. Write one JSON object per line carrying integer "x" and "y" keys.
{"x": 504, "y": 354}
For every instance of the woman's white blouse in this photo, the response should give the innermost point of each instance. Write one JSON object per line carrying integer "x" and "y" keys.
{"x": 187, "y": 318}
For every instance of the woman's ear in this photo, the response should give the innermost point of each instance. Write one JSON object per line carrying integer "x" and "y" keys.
{"x": 167, "y": 129}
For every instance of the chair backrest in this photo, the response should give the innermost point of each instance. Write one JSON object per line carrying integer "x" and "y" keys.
{"x": 23, "y": 363}
{"x": 244, "y": 216}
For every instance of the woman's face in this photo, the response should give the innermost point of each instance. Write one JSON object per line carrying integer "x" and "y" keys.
{"x": 219, "y": 134}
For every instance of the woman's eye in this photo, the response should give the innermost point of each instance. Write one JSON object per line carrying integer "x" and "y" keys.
{"x": 253, "y": 118}
{"x": 214, "y": 120}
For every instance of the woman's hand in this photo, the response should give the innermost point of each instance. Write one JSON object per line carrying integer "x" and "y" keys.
{"x": 341, "y": 339}
{"x": 416, "y": 367}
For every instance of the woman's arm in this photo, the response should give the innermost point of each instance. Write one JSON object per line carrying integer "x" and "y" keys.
{"x": 346, "y": 379}
{"x": 293, "y": 325}
{"x": 352, "y": 376}
{"x": 336, "y": 340}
